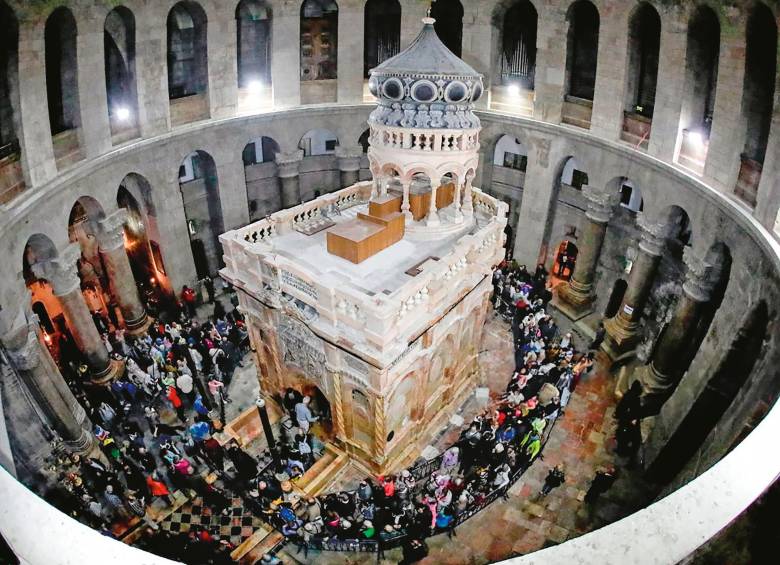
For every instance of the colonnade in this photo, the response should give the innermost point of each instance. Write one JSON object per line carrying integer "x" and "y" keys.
{"x": 575, "y": 298}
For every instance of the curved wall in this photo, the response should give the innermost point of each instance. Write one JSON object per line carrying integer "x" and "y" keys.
{"x": 716, "y": 215}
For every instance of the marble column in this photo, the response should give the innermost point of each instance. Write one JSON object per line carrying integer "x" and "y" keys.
{"x": 349, "y": 163}
{"x": 42, "y": 378}
{"x": 406, "y": 208}
{"x": 661, "y": 377}
{"x": 432, "y": 219}
{"x": 623, "y": 330}
{"x": 287, "y": 169}
{"x": 62, "y": 273}
{"x": 111, "y": 242}
{"x": 468, "y": 196}
{"x": 575, "y": 298}
{"x": 456, "y": 202}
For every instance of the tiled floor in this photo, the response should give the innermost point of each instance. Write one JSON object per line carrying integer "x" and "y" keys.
{"x": 235, "y": 526}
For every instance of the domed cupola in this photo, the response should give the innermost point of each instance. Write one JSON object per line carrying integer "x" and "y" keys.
{"x": 426, "y": 86}
{"x": 424, "y": 135}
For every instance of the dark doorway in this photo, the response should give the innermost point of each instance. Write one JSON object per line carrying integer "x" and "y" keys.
{"x": 615, "y": 299}
{"x": 201, "y": 261}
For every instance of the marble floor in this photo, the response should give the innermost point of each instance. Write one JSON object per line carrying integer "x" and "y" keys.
{"x": 581, "y": 440}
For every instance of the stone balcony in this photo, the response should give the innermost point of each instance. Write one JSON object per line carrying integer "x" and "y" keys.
{"x": 379, "y": 306}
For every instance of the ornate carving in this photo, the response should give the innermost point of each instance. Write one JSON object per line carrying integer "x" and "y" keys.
{"x": 380, "y": 433}
{"x": 62, "y": 271}
{"x": 111, "y": 233}
{"x": 300, "y": 347}
{"x": 338, "y": 405}
{"x": 653, "y": 238}
{"x": 288, "y": 164}
{"x": 298, "y": 283}
{"x": 698, "y": 276}
{"x": 600, "y": 204}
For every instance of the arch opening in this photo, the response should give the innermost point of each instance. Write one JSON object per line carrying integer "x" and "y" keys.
{"x": 381, "y": 32}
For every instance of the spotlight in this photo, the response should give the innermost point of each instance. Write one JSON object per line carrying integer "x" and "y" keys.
{"x": 255, "y": 87}
{"x": 514, "y": 90}
{"x": 696, "y": 138}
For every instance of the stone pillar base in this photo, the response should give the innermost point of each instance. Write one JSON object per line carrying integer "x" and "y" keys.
{"x": 656, "y": 388}
{"x": 114, "y": 369}
{"x": 140, "y": 326}
{"x": 621, "y": 339}
{"x": 572, "y": 302}
{"x": 84, "y": 445}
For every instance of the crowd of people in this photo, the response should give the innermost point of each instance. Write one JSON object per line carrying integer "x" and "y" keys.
{"x": 181, "y": 369}
{"x": 155, "y": 425}
{"x": 495, "y": 448}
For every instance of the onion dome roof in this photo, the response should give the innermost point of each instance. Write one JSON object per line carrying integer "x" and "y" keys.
{"x": 426, "y": 86}
{"x": 427, "y": 55}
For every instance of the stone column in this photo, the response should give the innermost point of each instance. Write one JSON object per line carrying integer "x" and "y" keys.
{"x": 665, "y": 135}
{"x": 34, "y": 132}
{"x": 62, "y": 273}
{"x": 727, "y": 138}
{"x": 287, "y": 169}
{"x": 350, "y": 53}
{"x": 286, "y": 60}
{"x": 222, "y": 64}
{"x": 232, "y": 190}
{"x": 575, "y": 298}
{"x": 607, "y": 116}
{"x": 111, "y": 241}
{"x": 468, "y": 204}
{"x": 661, "y": 377}
{"x": 623, "y": 330}
{"x": 433, "y": 216}
{"x": 152, "y": 72}
{"x": 93, "y": 101}
{"x": 456, "y": 201}
{"x": 349, "y": 163}
{"x": 550, "y": 65}
{"x": 44, "y": 381}
{"x": 406, "y": 208}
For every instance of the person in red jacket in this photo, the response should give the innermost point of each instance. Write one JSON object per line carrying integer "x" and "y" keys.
{"x": 189, "y": 298}
{"x": 158, "y": 488}
{"x": 173, "y": 396}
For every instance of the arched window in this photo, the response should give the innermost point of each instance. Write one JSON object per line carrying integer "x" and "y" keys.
{"x": 573, "y": 176}
{"x": 119, "y": 47}
{"x": 631, "y": 196}
{"x": 644, "y": 43}
{"x": 9, "y": 66}
{"x": 449, "y": 23}
{"x": 187, "y": 50}
{"x": 381, "y": 32}
{"x": 318, "y": 142}
{"x": 582, "y": 49}
{"x": 62, "y": 88}
{"x": 510, "y": 153}
{"x": 518, "y": 51}
{"x": 319, "y": 36}
{"x": 253, "y": 26}
{"x": 759, "y": 82}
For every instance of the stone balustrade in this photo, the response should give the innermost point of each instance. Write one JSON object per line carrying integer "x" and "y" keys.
{"x": 378, "y": 321}
{"x": 433, "y": 140}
